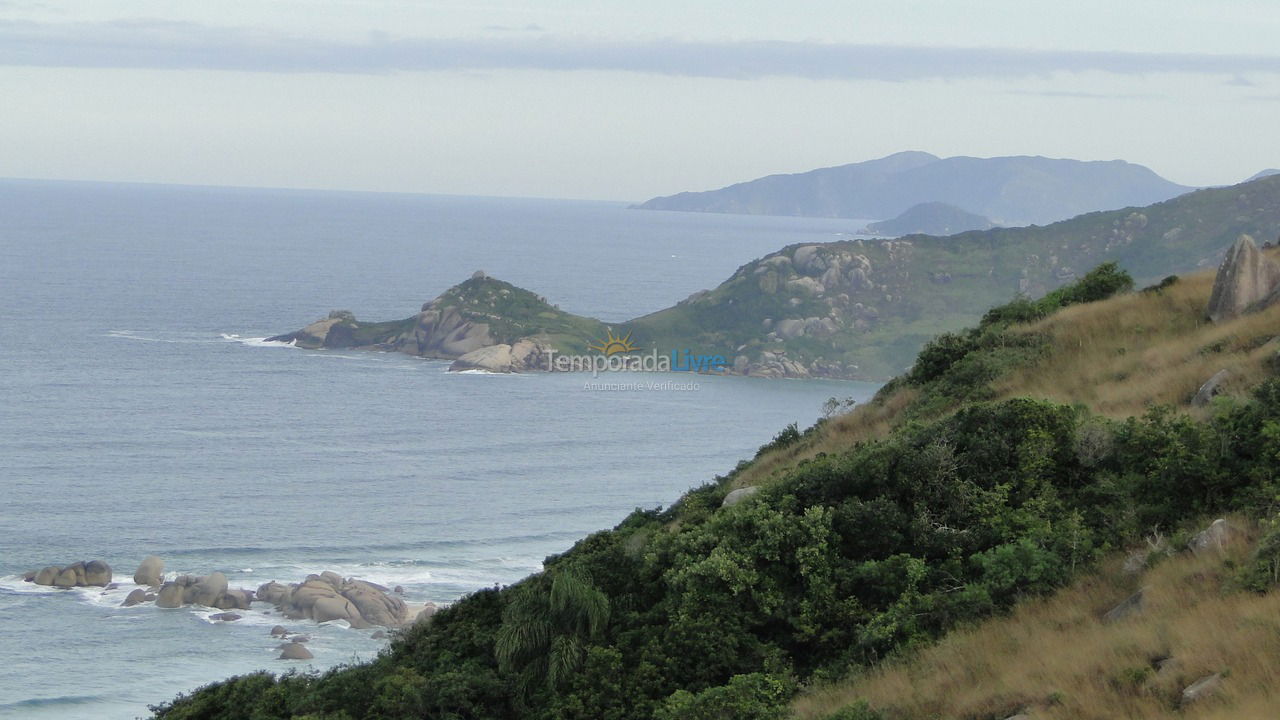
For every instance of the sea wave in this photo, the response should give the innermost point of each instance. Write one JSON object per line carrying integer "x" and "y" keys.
{"x": 256, "y": 341}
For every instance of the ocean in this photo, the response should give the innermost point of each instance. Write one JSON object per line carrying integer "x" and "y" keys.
{"x": 141, "y": 412}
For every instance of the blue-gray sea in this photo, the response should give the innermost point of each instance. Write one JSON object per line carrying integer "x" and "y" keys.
{"x": 140, "y": 412}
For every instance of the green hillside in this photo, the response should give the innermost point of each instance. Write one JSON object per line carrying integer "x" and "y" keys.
{"x": 863, "y": 308}
{"x": 963, "y": 489}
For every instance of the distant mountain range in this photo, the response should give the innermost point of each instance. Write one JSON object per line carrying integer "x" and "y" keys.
{"x": 1265, "y": 173}
{"x": 1018, "y": 190}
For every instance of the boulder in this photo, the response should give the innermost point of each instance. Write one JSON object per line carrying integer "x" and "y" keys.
{"x": 225, "y": 617}
{"x": 376, "y": 606}
{"x": 739, "y": 495}
{"x": 234, "y": 600}
{"x": 97, "y": 572}
{"x": 1247, "y": 281}
{"x": 295, "y": 651}
{"x": 333, "y": 607}
{"x": 300, "y": 639}
{"x": 1129, "y": 607}
{"x": 47, "y": 575}
{"x": 136, "y": 597}
{"x": 170, "y": 595}
{"x": 327, "y": 596}
{"x": 208, "y": 589}
{"x": 1202, "y": 688}
{"x": 274, "y": 593}
{"x": 150, "y": 571}
{"x": 71, "y": 576}
{"x": 278, "y": 631}
{"x": 1212, "y": 537}
{"x": 29, "y": 576}
{"x": 1213, "y": 387}
{"x": 378, "y": 635}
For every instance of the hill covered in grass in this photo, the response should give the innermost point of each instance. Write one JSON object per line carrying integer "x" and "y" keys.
{"x": 1202, "y": 618}
{"x": 1011, "y": 190}
{"x": 987, "y": 476}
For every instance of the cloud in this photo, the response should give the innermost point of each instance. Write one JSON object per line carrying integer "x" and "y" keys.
{"x": 179, "y": 45}
{"x": 1084, "y": 95}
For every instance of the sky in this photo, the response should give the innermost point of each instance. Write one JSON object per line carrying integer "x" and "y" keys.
{"x": 623, "y": 100}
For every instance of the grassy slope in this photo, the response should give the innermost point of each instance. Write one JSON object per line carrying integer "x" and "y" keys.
{"x": 1055, "y": 658}
{"x": 1118, "y": 358}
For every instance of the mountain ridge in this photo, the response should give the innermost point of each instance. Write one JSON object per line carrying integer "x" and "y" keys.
{"x": 1010, "y": 190}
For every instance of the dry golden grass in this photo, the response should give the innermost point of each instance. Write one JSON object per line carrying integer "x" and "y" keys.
{"x": 1055, "y": 658}
{"x": 1117, "y": 357}
{"x": 866, "y": 422}
{"x": 1123, "y": 355}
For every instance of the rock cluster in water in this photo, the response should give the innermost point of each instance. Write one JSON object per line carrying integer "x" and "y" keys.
{"x": 329, "y": 596}
{"x": 322, "y": 598}
{"x": 79, "y": 574}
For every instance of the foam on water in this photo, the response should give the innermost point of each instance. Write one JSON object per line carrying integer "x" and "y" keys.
{"x": 257, "y": 341}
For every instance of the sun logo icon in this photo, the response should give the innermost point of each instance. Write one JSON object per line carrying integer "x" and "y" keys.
{"x": 612, "y": 344}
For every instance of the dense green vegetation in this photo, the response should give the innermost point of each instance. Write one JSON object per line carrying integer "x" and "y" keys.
{"x": 702, "y": 611}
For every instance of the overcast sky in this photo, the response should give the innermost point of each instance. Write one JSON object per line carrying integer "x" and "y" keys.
{"x": 623, "y": 100}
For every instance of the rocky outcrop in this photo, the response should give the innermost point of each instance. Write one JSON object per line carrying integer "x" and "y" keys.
{"x": 135, "y": 597}
{"x": 523, "y": 356}
{"x": 1212, "y": 388}
{"x": 208, "y": 590}
{"x": 327, "y": 596}
{"x": 441, "y": 331}
{"x": 1129, "y": 607}
{"x": 1247, "y": 281}
{"x": 331, "y": 332}
{"x": 94, "y": 573}
{"x": 737, "y": 496}
{"x": 150, "y": 571}
{"x": 1202, "y": 688}
{"x": 295, "y": 651}
{"x": 1214, "y": 537}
